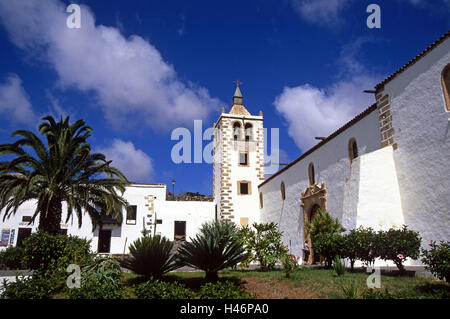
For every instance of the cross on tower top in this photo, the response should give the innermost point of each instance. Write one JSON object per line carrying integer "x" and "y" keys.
{"x": 237, "y": 98}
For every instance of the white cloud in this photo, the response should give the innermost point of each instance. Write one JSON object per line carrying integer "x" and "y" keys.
{"x": 134, "y": 163}
{"x": 128, "y": 75}
{"x": 56, "y": 110}
{"x": 329, "y": 12}
{"x": 313, "y": 111}
{"x": 324, "y": 12}
{"x": 14, "y": 102}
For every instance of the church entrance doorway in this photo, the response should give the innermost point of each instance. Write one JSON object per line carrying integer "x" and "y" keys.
{"x": 313, "y": 199}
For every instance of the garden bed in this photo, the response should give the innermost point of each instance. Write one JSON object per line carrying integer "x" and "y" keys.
{"x": 308, "y": 283}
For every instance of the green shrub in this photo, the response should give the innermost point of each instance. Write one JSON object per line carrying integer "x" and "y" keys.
{"x": 378, "y": 294}
{"x": 11, "y": 258}
{"x": 163, "y": 290}
{"x": 353, "y": 290}
{"x": 328, "y": 246}
{"x": 95, "y": 287}
{"x": 223, "y": 290}
{"x": 36, "y": 286}
{"x": 216, "y": 247}
{"x": 399, "y": 244}
{"x": 367, "y": 245}
{"x": 338, "y": 266}
{"x": 437, "y": 259}
{"x": 350, "y": 247}
{"x": 106, "y": 268}
{"x": 151, "y": 256}
{"x": 323, "y": 223}
{"x": 99, "y": 280}
{"x": 289, "y": 264}
{"x": 263, "y": 244}
{"x": 42, "y": 250}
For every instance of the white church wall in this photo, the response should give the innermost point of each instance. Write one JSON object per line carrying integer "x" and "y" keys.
{"x": 422, "y": 134}
{"x": 332, "y": 166}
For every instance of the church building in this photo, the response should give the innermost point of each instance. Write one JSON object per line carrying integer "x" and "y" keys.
{"x": 386, "y": 167}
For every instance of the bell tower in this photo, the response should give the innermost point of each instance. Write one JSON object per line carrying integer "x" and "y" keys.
{"x": 238, "y": 166}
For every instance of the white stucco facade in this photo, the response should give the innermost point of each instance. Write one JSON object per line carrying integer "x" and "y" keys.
{"x": 401, "y": 175}
{"x": 238, "y": 158}
{"x": 332, "y": 167}
{"x": 151, "y": 205}
{"x": 422, "y": 133}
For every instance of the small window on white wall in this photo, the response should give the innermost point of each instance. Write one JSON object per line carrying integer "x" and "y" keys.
{"x": 131, "y": 215}
{"x": 445, "y": 80}
{"x": 311, "y": 174}
{"x": 244, "y": 188}
{"x": 261, "y": 202}
{"x": 352, "y": 149}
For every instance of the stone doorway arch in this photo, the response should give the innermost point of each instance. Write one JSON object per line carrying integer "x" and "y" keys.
{"x": 313, "y": 199}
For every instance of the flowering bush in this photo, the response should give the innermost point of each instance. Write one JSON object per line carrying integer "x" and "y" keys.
{"x": 399, "y": 244}
{"x": 367, "y": 245}
{"x": 437, "y": 259}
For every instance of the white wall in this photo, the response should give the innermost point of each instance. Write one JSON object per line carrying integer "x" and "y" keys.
{"x": 226, "y": 163}
{"x": 422, "y": 133}
{"x": 141, "y": 195}
{"x": 332, "y": 166}
{"x": 194, "y": 213}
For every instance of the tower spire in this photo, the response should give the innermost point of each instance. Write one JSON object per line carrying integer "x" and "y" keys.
{"x": 238, "y": 107}
{"x": 237, "y": 98}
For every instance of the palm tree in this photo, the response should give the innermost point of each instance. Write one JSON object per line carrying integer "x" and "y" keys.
{"x": 62, "y": 170}
{"x": 216, "y": 247}
{"x": 151, "y": 257}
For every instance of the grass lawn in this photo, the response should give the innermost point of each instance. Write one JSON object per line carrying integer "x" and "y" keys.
{"x": 308, "y": 283}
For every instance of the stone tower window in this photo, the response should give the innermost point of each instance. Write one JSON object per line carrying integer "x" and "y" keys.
{"x": 236, "y": 131}
{"x": 244, "y": 188}
{"x": 352, "y": 149}
{"x": 283, "y": 191}
{"x": 445, "y": 80}
{"x": 243, "y": 159}
{"x": 311, "y": 174}
{"x": 248, "y": 132}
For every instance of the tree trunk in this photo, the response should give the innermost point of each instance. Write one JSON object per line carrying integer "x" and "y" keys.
{"x": 211, "y": 276}
{"x": 400, "y": 267}
{"x": 51, "y": 222}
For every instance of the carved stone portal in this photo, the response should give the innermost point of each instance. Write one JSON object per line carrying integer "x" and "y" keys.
{"x": 313, "y": 199}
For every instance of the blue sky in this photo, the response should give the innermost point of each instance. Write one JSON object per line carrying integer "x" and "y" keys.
{"x": 136, "y": 70}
